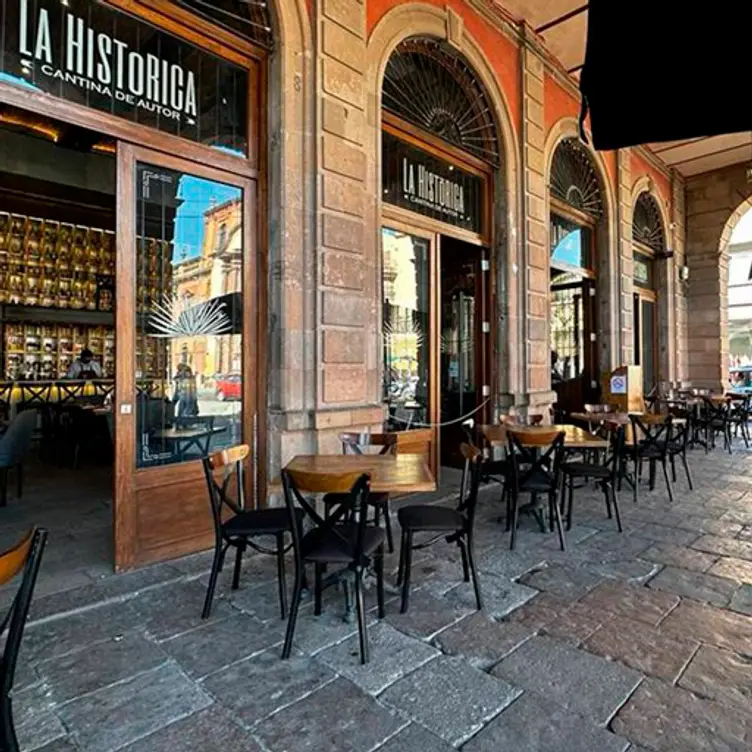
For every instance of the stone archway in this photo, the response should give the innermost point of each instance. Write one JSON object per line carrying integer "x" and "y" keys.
{"x": 714, "y": 204}
{"x": 416, "y": 19}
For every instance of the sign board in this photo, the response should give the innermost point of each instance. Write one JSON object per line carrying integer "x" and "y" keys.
{"x": 425, "y": 184}
{"x": 619, "y": 384}
{"x": 93, "y": 55}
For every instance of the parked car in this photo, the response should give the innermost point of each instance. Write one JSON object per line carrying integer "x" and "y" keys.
{"x": 228, "y": 387}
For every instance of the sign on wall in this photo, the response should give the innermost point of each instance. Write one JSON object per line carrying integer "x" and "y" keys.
{"x": 423, "y": 183}
{"x": 90, "y": 54}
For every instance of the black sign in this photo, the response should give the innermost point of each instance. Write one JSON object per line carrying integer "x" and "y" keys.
{"x": 420, "y": 182}
{"x": 88, "y": 53}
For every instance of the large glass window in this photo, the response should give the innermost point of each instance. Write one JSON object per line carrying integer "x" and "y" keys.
{"x": 189, "y": 315}
{"x": 406, "y": 308}
{"x": 571, "y": 245}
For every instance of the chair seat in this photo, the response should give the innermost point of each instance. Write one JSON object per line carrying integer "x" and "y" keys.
{"x": 328, "y": 546}
{"x": 427, "y": 517}
{"x": 260, "y": 522}
{"x": 585, "y": 470}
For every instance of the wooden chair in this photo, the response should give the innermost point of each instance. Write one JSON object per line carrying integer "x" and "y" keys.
{"x": 243, "y": 526}
{"x": 343, "y": 539}
{"x": 452, "y": 525}
{"x": 355, "y": 443}
{"x": 535, "y": 459}
{"x": 25, "y": 556}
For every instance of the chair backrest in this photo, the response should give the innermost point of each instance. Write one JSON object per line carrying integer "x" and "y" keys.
{"x": 70, "y": 391}
{"x": 230, "y": 462}
{"x": 355, "y": 443}
{"x": 27, "y": 556}
{"x": 34, "y": 393}
{"x": 617, "y": 438}
{"x": 716, "y": 410}
{"x": 353, "y": 487}
{"x": 652, "y": 432}
{"x": 16, "y": 441}
{"x": 535, "y": 454}
{"x": 471, "y": 472}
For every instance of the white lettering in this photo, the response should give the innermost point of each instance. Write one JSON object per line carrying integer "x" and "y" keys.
{"x": 152, "y": 77}
{"x": 74, "y": 53}
{"x": 120, "y": 48}
{"x": 23, "y": 27}
{"x": 165, "y": 83}
{"x": 104, "y": 71}
{"x": 176, "y": 87}
{"x": 190, "y": 95}
{"x": 90, "y": 52}
{"x": 135, "y": 74}
{"x": 43, "y": 47}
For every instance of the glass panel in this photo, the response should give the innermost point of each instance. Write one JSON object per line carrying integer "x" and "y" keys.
{"x": 570, "y": 245}
{"x": 740, "y": 269}
{"x": 643, "y": 270}
{"x": 189, "y": 304}
{"x": 636, "y": 330}
{"x": 405, "y": 289}
{"x": 567, "y": 334}
{"x": 647, "y": 325}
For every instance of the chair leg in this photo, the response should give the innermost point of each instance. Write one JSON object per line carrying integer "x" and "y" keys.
{"x": 406, "y": 572}
{"x": 379, "y": 566}
{"x": 19, "y": 479}
{"x": 401, "y": 565}
{"x": 474, "y": 571}
{"x": 317, "y": 588}
{"x": 668, "y": 481}
{"x": 361, "y": 610}
{"x": 238, "y": 565}
{"x": 509, "y": 508}
{"x": 672, "y": 458}
{"x": 608, "y": 500}
{"x": 293, "y": 617}
{"x": 686, "y": 470}
{"x": 216, "y": 566}
{"x": 515, "y": 517}
{"x": 559, "y": 525}
{"x": 281, "y": 576}
{"x": 463, "y": 554}
{"x": 388, "y": 527}
{"x": 4, "y": 487}
{"x": 615, "y": 501}
{"x": 652, "y": 475}
{"x": 8, "y": 739}
{"x": 571, "y": 502}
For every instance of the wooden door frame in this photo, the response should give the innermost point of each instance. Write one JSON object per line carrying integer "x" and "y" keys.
{"x": 128, "y": 478}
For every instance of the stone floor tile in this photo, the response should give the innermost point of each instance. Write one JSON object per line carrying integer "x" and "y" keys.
{"x": 415, "y": 738}
{"x": 262, "y": 601}
{"x": 37, "y": 725}
{"x": 714, "y": 626}
{"x": 570, "y": 583}
{"x": 632, "y": 571}
{"x": 725, "y": 546}
{"x": 631, "y": 601}
{"x": 719, "y": 675}
{"x": 679, "y": 556}
{"x": 115, "y": 716}
{"x": 668, "y": 719}
{"x": 315, "y": 633}
{"x": 580, "y": 682}
{"x": 209, "y": 730}
{"x": 745, "y": 533}
{"x": 733, "y": 569}
{"x": 259, "y": 686}
{"x": 711, "y": 526}
{"x": 498, "y": 560}
{"x": 59, "y": 745}
{"x": 742, "y": 600}
{"x": 338, "y": 716}
{"x": 481, "y": 640}
{"x": 641, "y": 647}
{"x": 698, "y": 586}
{"x": 49, "y": 639}
{"x": 575, "y": 624}
{"x": 392, "y": 655}
{"x": 168, "y": 612}
{"x": 500, "y": 596}
{"x": 101, "y": 664}
{"x": 539, "y": 611}
{"x": 217, "y": 644}
{"x": 667, "y": 534}
{"x": 436, "y": 575}
{"x": 611, "y": 546}
{"x": 426, "y": 616}
{"x": 451, "y": 698}
{"x": 530, "y": 724}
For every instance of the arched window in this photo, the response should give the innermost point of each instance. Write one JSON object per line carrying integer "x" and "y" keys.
{"x": 430, "y": 85}
{"x": 647, "y": 228}
{"x": 574, "y": 179}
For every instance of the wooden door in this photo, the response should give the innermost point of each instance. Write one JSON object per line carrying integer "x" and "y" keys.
{"x": 646, "y": 338}
{"x": 186, "y": 372}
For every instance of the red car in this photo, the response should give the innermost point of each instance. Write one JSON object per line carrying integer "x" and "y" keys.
{"x": 228, "y": 387}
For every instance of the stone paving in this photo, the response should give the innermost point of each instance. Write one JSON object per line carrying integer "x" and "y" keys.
{"x": 633, "y": 641}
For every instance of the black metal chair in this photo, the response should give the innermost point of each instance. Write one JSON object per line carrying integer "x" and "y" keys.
{"x": 26, "y": 556}
{"x": 740, "y": 406}
{"x": 650, "y": 439}
{"x": 535, "y": 459}
{"x": 343, "y": 539}
{"x": 453, "y": 525}
{"x": 199, "y": 445}
{"x": 243, "y": 526}
{"x": 606, "y": 474}
{"x": 354, "y": 443}
{"x": 715, "y": 419}
{"x": 681, "y": 433}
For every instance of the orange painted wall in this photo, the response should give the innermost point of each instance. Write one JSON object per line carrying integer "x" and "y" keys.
{"x": 641, "y": 167}
{"x": 501, "y": 52}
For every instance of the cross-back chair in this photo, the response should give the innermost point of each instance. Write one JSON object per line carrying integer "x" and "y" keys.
{"x": 649, "y": 442}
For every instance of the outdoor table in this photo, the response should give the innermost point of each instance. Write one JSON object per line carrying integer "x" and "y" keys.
{"x": 392, "y": 474}
{"x": 188, "y": 435}
{"x": 574, "y": 436}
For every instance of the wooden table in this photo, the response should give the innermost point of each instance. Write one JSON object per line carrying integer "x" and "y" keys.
{"x": 574, "y": 436}
{"x": 622, "y": 419}
{"x": 400, "y": 474}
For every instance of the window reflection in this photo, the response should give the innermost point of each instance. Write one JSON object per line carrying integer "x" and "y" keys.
{"x": 405, "y": 280}
{"x": 189, "y": 324}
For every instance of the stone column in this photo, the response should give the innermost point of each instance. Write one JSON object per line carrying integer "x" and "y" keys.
{"x": 347, "y": 315}
{"x": 625, "y": 333}
{"x": 678, "y": 234}
{"x": 535, "y": 240}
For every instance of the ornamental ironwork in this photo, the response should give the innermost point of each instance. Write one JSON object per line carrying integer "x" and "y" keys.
{"x": 574, "y": 179}
{"x": 647, "y": 226}
{"x": 429, "y": 84}
{"x": 248, "y": 18}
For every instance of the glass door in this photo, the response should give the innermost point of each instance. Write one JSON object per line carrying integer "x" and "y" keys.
{"x": 185, "y": 372}
{"x": 645, "y": 339}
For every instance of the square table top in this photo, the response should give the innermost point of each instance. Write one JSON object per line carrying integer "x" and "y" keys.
{"x": 574, "y": 436}
{"x": 622, "y": 419}
{"x": 401, "y": 473}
